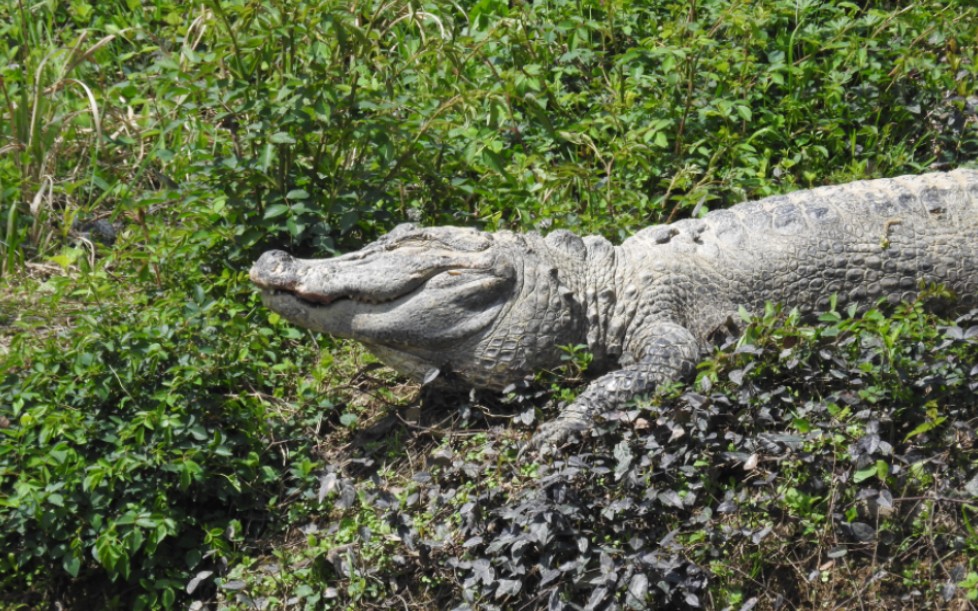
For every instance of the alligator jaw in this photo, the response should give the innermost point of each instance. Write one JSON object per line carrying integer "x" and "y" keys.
{"x": 323, "y": 298}
{"x": 311, "y": 299}
{"x": 320, "y": 300}
{"x": 323, "y": 282}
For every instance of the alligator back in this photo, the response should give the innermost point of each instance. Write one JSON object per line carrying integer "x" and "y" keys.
{"x": 861, "y": 241}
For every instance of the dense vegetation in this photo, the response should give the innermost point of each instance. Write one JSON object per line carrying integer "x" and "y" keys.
{"x": 168, "y": 442}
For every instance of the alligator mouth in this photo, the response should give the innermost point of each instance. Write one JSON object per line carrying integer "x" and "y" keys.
{"x": 321, "y": 300}
{"x": 313, "y": 300}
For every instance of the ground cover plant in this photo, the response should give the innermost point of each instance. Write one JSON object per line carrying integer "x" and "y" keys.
{"x": 167, "y": 442}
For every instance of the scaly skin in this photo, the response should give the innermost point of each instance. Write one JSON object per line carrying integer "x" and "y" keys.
{"x": 494, "y": 308}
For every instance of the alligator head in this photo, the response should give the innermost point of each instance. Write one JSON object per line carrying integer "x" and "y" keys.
{"x": 425, "y": 299}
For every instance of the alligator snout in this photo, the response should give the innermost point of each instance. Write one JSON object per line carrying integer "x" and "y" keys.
{"x": 275, "y": 269}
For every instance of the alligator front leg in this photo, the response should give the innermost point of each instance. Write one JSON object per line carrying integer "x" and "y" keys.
{"x": 670, "y": 354}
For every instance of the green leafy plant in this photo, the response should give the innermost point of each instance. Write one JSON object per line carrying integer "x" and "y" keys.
{"x": 50, "y": 130}
{"x": 135, "y": 443}
{"x": 166, "y": 442}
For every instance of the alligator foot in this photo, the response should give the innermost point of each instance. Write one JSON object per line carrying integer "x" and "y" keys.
{"x": 557, "y": 432}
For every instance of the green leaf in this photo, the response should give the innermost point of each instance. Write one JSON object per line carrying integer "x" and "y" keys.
{"x": 925, "y": 427}
{"x": 108, "y": 552}
{"x": 879, "y": 469}
{"x": 744, "y": 314}
{"x": 71, "y": 564}
{"x": 135, "y": 540}
{"x": 281, "y": 138}
{"x": 864, "y": 474}
{"x": 276, "y": 210}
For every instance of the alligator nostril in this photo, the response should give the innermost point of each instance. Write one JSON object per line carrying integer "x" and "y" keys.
{"x": 274, "y": 257}
{"x": 273, "y": 267}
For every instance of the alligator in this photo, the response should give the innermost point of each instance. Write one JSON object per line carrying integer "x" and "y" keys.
{"x": 493, "y": 308}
